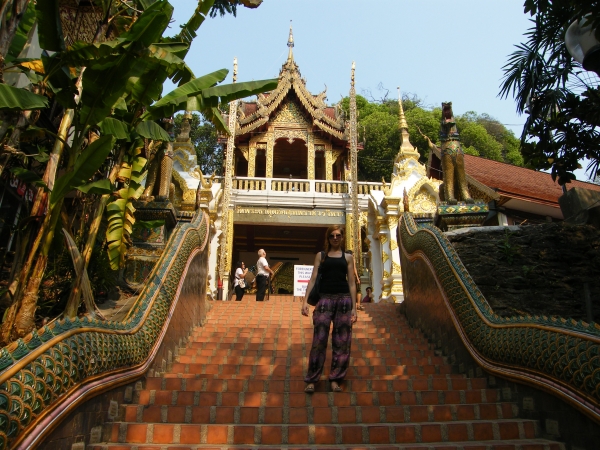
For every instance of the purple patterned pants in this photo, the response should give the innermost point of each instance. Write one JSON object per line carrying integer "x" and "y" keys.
{"x": 336, "y": 308}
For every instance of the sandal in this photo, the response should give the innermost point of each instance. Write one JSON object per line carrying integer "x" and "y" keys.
{"x": 335, "y": 387}
{"x": 310, "y": 388}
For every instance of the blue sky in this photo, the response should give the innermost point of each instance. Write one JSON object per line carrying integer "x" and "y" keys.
{"x": 438, "y": 50}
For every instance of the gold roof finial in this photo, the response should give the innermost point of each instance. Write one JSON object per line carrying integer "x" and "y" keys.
{"x": 403, "y": 124}
{"x": 406, "y": 148}
{"x": 234, "y": 70}
{"x": 290, "y": 43}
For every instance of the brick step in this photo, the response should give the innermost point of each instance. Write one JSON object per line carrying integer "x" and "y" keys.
{"x": 300, "y": 413}
{"x": 355, "y": 361}
{"x": 193, "y": 383}
{"x": 527, "y": 444}
{"x": 375, "y": 433}
{"x": 298, "y": 352}
{"x": 266, "y": 371}
{"x": 208, "y": 398}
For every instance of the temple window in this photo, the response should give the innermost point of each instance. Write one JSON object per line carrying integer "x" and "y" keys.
{"x": 260, "y": 168}
{"x": 241, "y": 164}
{"x": 320, "y": 173}
{"x": 290, "y": 160}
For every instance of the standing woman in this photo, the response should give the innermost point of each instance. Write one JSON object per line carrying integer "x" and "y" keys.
{"x": 337, "y": 304}
{"x": 240, "y": 273}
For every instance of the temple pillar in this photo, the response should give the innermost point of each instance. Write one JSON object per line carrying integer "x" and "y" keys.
{"x": 269, "y": 154}
{"x": 393, "y": 208}
{"x": 166, "y": 172}
{"x": 349, "y": 232}
{"x": 386, "y": 260}
{"x": 252, "y": 160}
{"x": 328, "y": 164}
{"x": 310, "y": 169}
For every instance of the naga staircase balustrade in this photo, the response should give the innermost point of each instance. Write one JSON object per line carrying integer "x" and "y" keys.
{"x": 46, "y": 375}
{"x": 553, "y": 354}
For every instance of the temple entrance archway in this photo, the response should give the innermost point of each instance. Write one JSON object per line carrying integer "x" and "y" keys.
{"x": 290, "y": 160}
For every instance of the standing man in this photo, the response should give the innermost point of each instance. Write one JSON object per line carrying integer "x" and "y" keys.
{"x": 262, "y": 275}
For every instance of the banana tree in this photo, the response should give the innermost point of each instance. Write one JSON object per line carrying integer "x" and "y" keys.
{"x": 121, "y": 82}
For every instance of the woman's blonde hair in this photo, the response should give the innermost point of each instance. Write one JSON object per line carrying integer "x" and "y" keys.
{"x": 331, "y": 229}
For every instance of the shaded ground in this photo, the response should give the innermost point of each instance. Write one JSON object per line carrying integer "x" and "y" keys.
{"x": 535, "y": 269}
{"x": 117, "y": 305}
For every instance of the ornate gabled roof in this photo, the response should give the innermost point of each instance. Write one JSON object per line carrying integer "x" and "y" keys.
{"x": 290, "y": 80}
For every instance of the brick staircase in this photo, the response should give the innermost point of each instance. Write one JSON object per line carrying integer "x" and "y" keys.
{"x": 239, "y": 384}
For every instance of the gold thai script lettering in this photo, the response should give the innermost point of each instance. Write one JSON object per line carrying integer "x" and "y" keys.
{"x": 270, "y": 212}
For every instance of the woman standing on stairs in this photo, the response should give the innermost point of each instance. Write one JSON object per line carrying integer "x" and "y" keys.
{"x": 337, "y": 304}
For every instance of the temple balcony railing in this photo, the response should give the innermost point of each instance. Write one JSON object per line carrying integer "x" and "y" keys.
{"x": 267, "y": 185}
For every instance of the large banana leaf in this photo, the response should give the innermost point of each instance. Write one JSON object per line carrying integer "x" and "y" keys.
{"x": 120, "y": 212}
{"x": 234, "y": 91}
{"x": 49, "y": 25}
{"x": 17, "y": 99}
{"x": 176, "y": 99}
{"x": 29, "y": 177}
{"x": 99, "y": 187}
{"x": 149, "y": 27}
{"x": 188, "y": 30}
{"x": 106, "y": 81}
{"x": 22, "y": 34}
{"x": 60, "y": 80}
{"x": 151, "y": 130}
{"x": 87, "y": 164}
{"x": 118, "y": 128}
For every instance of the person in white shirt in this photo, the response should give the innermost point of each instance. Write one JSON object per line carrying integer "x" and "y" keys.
{"x": 262, "y": 275}
{"x": 240, "y": 273}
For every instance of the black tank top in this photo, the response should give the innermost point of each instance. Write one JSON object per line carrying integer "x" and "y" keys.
{"x": 334, "y": 275}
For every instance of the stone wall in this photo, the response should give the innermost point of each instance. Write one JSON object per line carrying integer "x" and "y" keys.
{"x": 534, "y": 269}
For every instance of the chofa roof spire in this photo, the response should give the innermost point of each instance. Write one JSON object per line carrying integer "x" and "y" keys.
{"x": 406, "y": 148}
{"x": 290, "y": 44}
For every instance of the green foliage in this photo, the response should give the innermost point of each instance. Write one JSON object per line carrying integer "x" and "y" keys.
{"x": 378, "y": 121}
{"x": 203, "y": 135}
{"x": 91, "y": 158}
{"x": 121, "y": 211}
{"x": 22, "y": 34}
{"x": 381, "y": 142}
{"x": 12, "y": 98}
{"x": 563, "y": 107}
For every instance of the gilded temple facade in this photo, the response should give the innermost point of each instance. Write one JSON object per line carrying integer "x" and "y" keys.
{"x": 287, "y": 178}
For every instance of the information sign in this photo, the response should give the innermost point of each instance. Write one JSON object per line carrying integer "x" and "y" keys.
{"x": 302, "y": 276}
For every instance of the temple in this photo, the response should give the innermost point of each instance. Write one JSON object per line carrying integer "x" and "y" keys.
{"x": 288, "y": 176}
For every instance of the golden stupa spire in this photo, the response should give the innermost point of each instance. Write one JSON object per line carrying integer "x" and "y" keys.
{"x": 406, "y": 148}
{"x": 403, "y": 124}
{"x": 290, "y": 44}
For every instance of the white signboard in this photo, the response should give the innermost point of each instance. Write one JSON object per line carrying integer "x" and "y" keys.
{"x": 302, "y": 276}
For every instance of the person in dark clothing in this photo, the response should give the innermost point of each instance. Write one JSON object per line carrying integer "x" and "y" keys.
{"x": 337, "y": 304}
